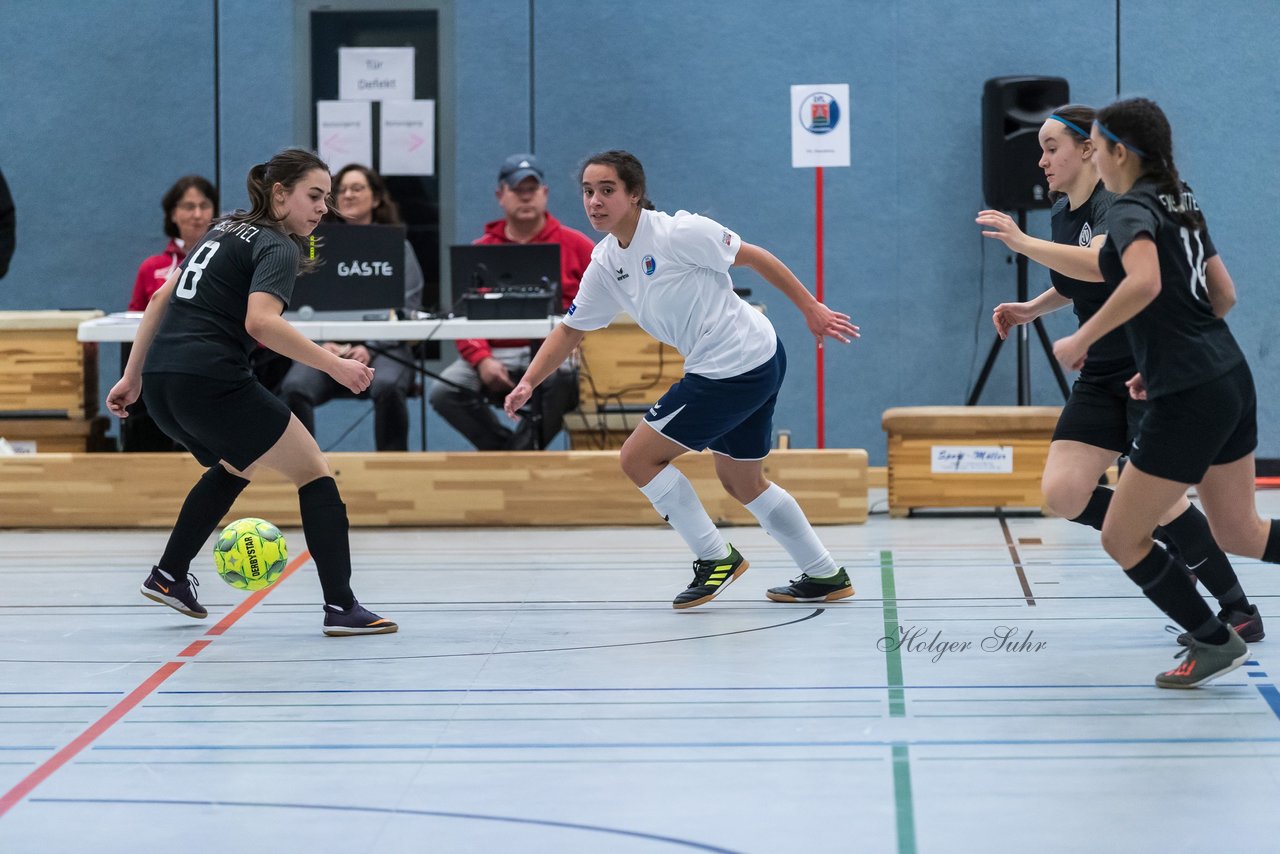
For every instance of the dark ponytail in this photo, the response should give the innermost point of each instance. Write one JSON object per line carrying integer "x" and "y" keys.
{"x": 1143, "y": 128}
{"x": 629, "y": 170}
{"x": 287, "y": 168}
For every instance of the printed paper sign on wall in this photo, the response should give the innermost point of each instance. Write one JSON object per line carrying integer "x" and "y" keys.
{"x": 820, "y": 125}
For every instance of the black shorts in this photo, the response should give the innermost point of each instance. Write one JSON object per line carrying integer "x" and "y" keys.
{"x": 1100, "y": 411}
{"x": 233, "y": 420}
{"x": 1211, "y": 424}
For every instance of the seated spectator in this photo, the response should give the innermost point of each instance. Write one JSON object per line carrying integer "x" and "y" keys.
{"x": 189, "y": 207}
{"x": 362, "y": 199}
{"x": 488, "y": 370}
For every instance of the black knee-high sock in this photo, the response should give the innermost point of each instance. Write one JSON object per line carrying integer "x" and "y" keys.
{"x": 1271, "y": 554}
{"x": 324, "y": 523}
{"x": 1166, "y": 584}
{"x": 1096, "y": 510}
{"x": 1191, "y": 534}
{"x": 206, "y": 504}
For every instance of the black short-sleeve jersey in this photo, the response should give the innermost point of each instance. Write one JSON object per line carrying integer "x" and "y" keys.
{"x": 1079, "y": 227}
{"x": 203, "y": 328}
{"x": 1178, "y": 342}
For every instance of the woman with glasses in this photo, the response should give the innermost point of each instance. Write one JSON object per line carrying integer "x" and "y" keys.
{"x": 361, "y": 198}
{"x": 189, "y": 207}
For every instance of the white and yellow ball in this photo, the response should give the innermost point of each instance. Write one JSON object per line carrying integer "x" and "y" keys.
{"x": 250, "y": 554}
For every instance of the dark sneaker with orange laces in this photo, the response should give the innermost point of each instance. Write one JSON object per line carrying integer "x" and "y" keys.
{"x": 1248, "y": 624}
{"x": 1202, "y": 662}
{"x": 710, "y": 578}
{"x": 178, "y": 595}
{"x": 809, "y": 589}
{"x": 356, "y": 620}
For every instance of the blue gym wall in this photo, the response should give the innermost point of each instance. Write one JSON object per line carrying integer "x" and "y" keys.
{"x": 103, "y": 105}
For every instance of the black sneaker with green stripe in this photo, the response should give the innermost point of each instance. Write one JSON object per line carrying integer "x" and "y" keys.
{"x": 710, "y": 578}
{"x": 809, "y": 589}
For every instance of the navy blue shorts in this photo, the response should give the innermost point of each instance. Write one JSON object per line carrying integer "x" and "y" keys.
{"x": 233, "y": 420}
{"x": 732, "y": 416}
{"x": 1188, "y": 431}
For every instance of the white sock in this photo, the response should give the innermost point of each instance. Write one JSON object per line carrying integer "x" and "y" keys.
{"x": 673, "y": 497}
{"x": 782, "y": 519}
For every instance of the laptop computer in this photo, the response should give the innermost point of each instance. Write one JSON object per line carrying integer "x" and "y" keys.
{"x": 504, "y": 266}
{"x": 362, "y": 273}
{"x": 503, "y": 280}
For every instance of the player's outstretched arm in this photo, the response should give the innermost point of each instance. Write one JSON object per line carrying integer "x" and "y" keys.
{"x": 1007, "y": 315}
{"x": 822, "y": 321}
{"x": 1078, "y": 262}
{"x": 262, "y": 320}
{"x": 1222, "y": 290}
{"x": 127, "y": 390}
{"x": 562, "y": 341}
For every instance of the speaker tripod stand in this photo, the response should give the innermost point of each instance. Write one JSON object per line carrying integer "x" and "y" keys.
{"x": 1023, "y": 333}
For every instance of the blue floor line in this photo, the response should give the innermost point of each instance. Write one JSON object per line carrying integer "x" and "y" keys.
{"x": 640, "y": 745}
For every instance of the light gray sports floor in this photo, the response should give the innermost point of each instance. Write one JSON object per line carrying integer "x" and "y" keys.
{"x": 542, "y": 696}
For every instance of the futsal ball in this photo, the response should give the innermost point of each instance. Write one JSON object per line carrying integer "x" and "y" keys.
{"x": 250, "y": 554}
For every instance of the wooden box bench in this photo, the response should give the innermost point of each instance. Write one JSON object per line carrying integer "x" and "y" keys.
{"x": 56, "y": 435}
{"x": 511, "y": 489}
{"x": 44, "y": 370}
{"x": 967, "y": 456}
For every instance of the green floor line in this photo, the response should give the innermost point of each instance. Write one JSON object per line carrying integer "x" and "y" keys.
{"x": 904, "y": 809}
{"x": 892, "y": 656}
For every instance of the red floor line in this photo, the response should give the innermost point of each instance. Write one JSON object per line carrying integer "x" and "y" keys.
{"x": 24, "y": 787}
{"x": 255, "y": 597}
{"x": 194, "y": 649}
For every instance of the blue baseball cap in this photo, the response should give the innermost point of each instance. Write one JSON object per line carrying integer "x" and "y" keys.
{"x": 517, "y": 167}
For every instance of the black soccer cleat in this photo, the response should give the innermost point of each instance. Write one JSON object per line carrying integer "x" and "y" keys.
{"x": 1248, "y": 624}
{"x": 808, "y": 589}
{"x": 710, "y": 578}
{"x": 178, "y": 595}
{"x": 356, "y": 620}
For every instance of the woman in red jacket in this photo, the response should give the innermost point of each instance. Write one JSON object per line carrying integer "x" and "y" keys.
{"x": 189, "y": 207}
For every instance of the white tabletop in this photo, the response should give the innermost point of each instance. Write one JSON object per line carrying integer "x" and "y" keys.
{"x": 122, "y": 326}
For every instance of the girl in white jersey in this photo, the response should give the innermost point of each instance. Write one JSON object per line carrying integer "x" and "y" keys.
{"x": 671, "y": 274}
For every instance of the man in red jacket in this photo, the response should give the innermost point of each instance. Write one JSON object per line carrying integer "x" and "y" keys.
{"x": 490, "y": 369}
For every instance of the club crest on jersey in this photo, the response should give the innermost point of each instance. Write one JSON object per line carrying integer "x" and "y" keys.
{"x": 1086, "y": 235}
{"x": 622, "y": 274}
{"x": 649, "y": 265}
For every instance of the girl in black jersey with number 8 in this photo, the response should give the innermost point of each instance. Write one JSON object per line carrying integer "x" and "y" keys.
{"x": 190, "y": 360}
{"x": 1171, "y": 290}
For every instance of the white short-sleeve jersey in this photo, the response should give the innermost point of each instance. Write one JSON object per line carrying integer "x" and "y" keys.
{"x": 673, "y": 280}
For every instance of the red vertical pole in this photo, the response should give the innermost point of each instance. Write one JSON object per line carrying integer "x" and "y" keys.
{"x": 822, "y": 439}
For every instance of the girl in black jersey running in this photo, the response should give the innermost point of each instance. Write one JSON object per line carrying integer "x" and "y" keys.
{"x": 191, "y": 361}
{"x": 1101, "y": 417}
{"x": 1171, "y": 290}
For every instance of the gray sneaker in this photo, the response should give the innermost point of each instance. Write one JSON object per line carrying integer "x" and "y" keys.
{"x": 1202, "y": 662}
